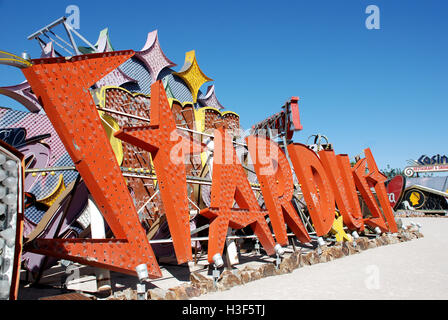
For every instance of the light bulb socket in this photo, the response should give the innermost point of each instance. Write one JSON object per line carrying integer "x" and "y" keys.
{"x": 142, "y": 272}
{"x": 321, "y": 241}
{"x": 65, "y": 263}
{"x": 141, "y": 288}
{"x": 217, "y": 260}
{"x": 141, "y": 291}
{"x": 26, "y": 56}
{"x": 9, "y": 236}
{"x": 4, "y": 289}
{"x": 355, "y": 235}
{"x": 279, "y": 250}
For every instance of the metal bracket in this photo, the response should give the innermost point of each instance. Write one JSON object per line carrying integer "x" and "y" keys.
{"x": 257, "y": 247}
{"x": 278, "y": 261}
{"x": 216, "y": 273}
{"x": 141, "y": 291}
{"x": 69, "y": 30}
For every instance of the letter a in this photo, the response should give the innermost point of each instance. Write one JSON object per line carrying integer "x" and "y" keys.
{"x": 230, "y": 184}
{"x": 373, "y": 21}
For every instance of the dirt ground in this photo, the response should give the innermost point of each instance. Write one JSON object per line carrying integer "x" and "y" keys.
{"x": 417, "y": 269}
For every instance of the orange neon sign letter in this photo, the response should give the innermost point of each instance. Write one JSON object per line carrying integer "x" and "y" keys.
{"x": 230, "y": 183}
{"x": 341, "y": 179}
{"x": 277, "y": 185}
{"x": 315, "y": 186}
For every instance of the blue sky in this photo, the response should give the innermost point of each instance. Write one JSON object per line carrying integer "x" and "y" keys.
{"x": 384, "y": 89}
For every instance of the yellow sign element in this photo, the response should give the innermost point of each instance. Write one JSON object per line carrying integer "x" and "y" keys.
{"x": 192, "y": 74}
{"x": 109, "y": 123}
{"x": 415, "y": 198}
{"x": 183, "y": 105}
{"x": 199, "y": 115}
{"x": 13, "y": 60}
{"x": 111, "y": 126}
{"x": 338, "y": 230}
{"x": 99, "y": 96}
{"x": 52, "y": 197}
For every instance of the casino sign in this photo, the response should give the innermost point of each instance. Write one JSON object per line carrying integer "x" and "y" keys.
{"x": 416, "y": 194}
{"x": 436, "y": 163}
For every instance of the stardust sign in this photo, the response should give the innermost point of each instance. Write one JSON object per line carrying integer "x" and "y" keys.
{"x": 327, "y": 180}
{"x": 435, "y": 163}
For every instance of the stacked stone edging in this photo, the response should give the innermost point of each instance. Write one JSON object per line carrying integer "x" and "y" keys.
{"x": 200, "y": 284}
{"x": 229, "y": 279}
{"x": 411, "y": 214}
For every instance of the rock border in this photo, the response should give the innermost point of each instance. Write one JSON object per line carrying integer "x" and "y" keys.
{"x": 413, "y": 214}
{"x": 416, "y": 215}
{"x": 200, "y": 284}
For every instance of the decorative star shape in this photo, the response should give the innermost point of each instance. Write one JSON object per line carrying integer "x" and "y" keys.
{"x": 23, "y": 94}
{"x": 210, "y": 99}
{"x": 103, "y": 44}
{"x": 192, "y": 74}
{"x": 115, "y": 78}
{"x": 338, "y": 229}
{"x": 153, "y": 57}
{"x": 166, "y": 85}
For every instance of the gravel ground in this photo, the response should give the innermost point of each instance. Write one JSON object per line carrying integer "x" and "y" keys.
{"x": 410, "y": 270}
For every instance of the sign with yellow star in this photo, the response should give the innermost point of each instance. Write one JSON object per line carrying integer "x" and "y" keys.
{"x": 338, "y": 229}
{"x": 192, "y": 74}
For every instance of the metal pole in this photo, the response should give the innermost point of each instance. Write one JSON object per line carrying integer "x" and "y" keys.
{"x": 190, "y": 179}
{"x": 150, "y": 199}
{"x": 227, "y": 238}
{"x": 148, "y": 120}
{"x": 81, "y": 37}
{"x": 72, "y": 40}
{"x": 45, "y": 29}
